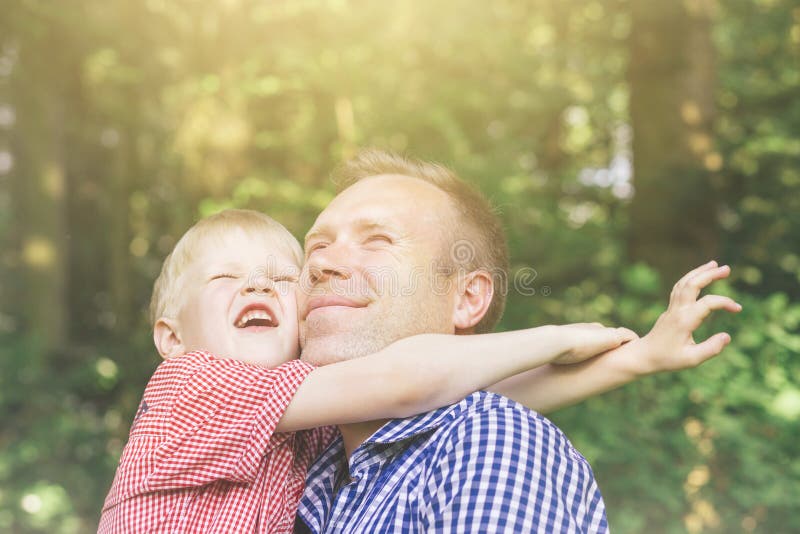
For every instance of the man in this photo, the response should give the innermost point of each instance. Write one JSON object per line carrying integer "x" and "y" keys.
{"x": 385, "y": 261}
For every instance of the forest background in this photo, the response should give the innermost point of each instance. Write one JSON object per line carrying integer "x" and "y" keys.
{"x": 624, "y": 141}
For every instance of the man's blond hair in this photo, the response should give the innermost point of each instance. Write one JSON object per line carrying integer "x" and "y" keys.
{"x": 166, "y": 299}
{"x": 476, "y": 240}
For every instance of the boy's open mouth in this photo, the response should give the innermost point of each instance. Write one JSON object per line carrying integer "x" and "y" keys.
{"x": 256, "y": 315}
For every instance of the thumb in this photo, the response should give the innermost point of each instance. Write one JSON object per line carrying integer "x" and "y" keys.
{"x": 709, "y": 348}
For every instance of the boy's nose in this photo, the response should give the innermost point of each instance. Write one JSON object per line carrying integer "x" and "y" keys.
{"x": 251, "y": 289}
{"x": 258, "y": 285}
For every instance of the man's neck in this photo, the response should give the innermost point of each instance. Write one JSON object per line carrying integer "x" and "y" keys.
{"x": 357, "y": 433}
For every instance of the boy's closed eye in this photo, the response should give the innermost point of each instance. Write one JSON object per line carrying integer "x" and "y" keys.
{"x": 223, "y": 275}
{"x": 285, "y": 278}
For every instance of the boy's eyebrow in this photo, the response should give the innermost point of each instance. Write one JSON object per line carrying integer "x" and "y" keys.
{"x": 215, "y": 268}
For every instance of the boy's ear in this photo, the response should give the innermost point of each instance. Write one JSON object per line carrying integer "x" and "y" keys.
{"x": 167, "y": 338}
{"x": 473, "y": 297}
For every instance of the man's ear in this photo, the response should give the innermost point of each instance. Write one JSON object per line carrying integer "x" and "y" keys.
{"x": 473, "y": 297}
{"x": 167, "y": 338}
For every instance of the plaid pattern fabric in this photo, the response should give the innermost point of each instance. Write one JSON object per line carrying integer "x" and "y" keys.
{"x": 486, "y": 464}
{"x": 202, "y": 456}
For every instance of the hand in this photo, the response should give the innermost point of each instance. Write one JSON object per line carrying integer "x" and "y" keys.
{"x": 587, "y": 340}
{"x": 669, "y": 346}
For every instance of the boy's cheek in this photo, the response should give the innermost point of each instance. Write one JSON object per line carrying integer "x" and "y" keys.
{"x": 298, "y": 294}
{"x": 294, "y": 300}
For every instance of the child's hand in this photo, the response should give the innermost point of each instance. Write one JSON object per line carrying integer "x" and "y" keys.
{"x": 669, "y": 346}
{"x": 587, "y": 340}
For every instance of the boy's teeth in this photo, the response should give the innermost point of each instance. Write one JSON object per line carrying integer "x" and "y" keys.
{"x": 252, "y": 315}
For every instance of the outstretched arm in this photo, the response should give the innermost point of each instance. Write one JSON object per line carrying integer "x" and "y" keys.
{"x": 669, "y": 346}
{"x": 428, "y": 371}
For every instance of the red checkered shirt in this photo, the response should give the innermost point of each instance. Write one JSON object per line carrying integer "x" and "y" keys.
{"x": 202, "y": 455}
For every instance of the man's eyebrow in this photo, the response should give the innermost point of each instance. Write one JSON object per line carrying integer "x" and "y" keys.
{"x": 372, "y": 224}
{"x": 316, "y": 233}
{"x": 362, "y": 225}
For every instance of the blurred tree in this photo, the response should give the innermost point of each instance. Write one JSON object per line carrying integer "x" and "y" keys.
{"x": 673, "y": 216}
{"x": 43, "y": 96}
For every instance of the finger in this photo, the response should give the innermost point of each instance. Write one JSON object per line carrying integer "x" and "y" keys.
{"x": 593, "y": 326}
{"x": 709, "y": 348}
{"x": 703, "y": 279}
{"x": 696, "y": 270}
{"x": 593, "y": 342}
{"x": 626, "y": 335}
{"x": 718, "y": 302}
{"x": 614, "y": 337}
{"x": 710, "y": 265}
{"x": 691, "y": 289}
{"x": 700, "y": 310}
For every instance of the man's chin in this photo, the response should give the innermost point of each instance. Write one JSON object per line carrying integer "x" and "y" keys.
{"x": 332, "y": 349}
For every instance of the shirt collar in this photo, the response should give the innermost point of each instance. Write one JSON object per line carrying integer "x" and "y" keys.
{"x": 321, "y": 482}
{"x": 402, "y": 429}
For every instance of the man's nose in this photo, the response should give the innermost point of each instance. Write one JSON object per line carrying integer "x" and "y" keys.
{"x": 333, "y": 261}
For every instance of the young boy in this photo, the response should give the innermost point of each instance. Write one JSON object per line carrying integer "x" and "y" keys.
{"x": 228, "y": 423}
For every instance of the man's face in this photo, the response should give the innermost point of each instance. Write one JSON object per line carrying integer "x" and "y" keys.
{"x": 239, "y": 302}
{"x": 372, "y": 275}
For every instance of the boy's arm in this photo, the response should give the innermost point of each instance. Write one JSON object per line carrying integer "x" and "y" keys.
{"x": 667, "y": 347}
{"x": 427, "y": 371}
{"x": 224, "y": 412}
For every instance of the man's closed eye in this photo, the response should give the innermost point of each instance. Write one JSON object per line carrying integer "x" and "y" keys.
{"x": 379, "y": 239}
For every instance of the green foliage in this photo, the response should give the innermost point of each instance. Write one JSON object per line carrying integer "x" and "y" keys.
{"x": 126, "y": 121}
{"x": 716, "y": 444}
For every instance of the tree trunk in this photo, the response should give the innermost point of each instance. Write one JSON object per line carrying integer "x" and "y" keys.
{"x": 38, "y": 187}
{"x": 673, "y": 214}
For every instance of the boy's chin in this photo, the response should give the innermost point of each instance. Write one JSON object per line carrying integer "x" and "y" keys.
{"x": 264, "y": 354}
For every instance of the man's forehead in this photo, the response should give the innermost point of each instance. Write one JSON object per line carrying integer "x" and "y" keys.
{"x": 377, "y": 199}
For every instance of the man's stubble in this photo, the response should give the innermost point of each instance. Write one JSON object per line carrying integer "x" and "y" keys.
{"x": 325, "y": 340}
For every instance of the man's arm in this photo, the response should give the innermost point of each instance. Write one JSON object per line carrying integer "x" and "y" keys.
{"x": 552, "y": 387}
{"x": 669, "y": 346}
{"x": 510, "y": 470}
{"x": 428, "y": 371}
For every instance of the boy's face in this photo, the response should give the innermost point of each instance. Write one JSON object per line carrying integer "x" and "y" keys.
{"x": 240, "y": 302}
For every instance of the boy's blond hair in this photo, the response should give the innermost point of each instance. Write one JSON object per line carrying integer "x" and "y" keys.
{"x": 167, "y": 289}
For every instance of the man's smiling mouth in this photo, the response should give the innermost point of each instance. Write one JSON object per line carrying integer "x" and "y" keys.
{"x": 332, "y": 301}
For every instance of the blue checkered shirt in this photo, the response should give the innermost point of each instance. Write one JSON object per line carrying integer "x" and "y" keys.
{"x": 486, "y": 464}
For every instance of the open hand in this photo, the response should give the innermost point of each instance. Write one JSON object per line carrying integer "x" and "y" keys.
{"x": 669, "y": 345}
{"x": 587, "y": 340}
